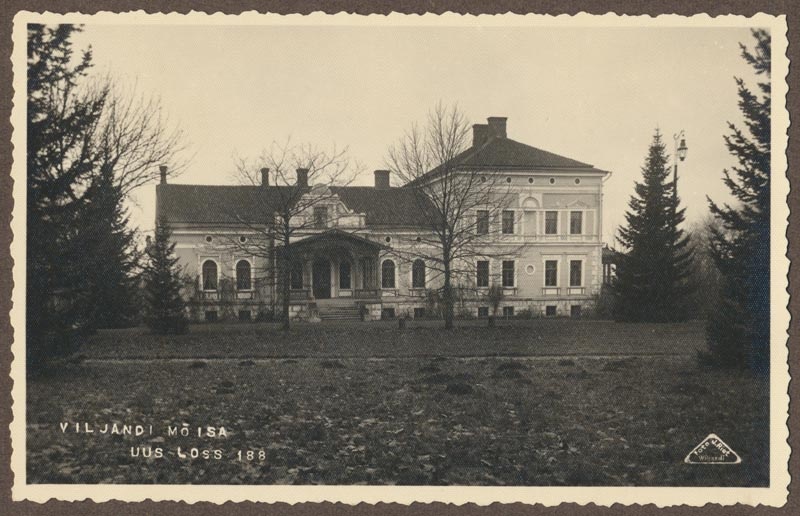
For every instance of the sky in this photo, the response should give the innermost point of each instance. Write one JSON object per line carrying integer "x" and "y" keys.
{"x": 591, "y": 93}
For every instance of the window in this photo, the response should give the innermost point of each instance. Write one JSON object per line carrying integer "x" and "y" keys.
{"x": 575, "y": 311}
{"x": 242, "y": 239}
{"x": 508, "y": 222}
{"x": 552, "y": 180}
{"x": 508, "y": 180}
{"x": 508, "y": 273}
{"x": 387, "y": 274}
{"x": 297, "y": 276}
{"x": 550, "y": 222}
{"x": 550, "y": 310}
{"x": 551, "y": 273}
{"x": 320, "y": 216}
{"x": 209, "y": 239}
{"x": 483, "y": 311}
{"x": 344, "y": 275}
{"x": 577, "y": 180}
{"x": 211, "y": 316}
{"x": 419, "y": 313}
{"x": 209, "y": 275}
{"x": 482, "y": 279}
{"x": 482, "y": 223}
{"x": 508, "y": 311}
{"x": 387, "y": 313}
{"x": 575, "y": 222}
{"x": 418, "y": 274}
{"x": 575, "y": 273}
{"x": 243, "y": 275}
{"x": 244, "y": 315}
{"x": 530, "y": 180}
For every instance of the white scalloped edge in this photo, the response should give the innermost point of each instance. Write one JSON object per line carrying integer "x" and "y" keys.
{"x": 775, "y": 495}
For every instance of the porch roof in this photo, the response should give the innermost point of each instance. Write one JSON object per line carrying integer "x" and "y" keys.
{"x": 332, "y": 237}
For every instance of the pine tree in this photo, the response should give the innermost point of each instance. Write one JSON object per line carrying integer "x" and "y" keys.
{"x": 652, "y": 275}
{"x": 164, "y": 304}
{"x": 738, "y": 331}
{"x": 61, "y": 123}
{"x": 105, "y": 256}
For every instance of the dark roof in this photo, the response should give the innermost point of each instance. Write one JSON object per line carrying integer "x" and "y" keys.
{"x": 384, "y": 206}
{"x": 206, "y": 204}
{"x": 505, "y": 153}
{"x": 336, "y": 235}
{"x": 224, "y": 204}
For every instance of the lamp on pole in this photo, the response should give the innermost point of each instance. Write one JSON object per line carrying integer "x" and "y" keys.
{"x": 680, "y": 154}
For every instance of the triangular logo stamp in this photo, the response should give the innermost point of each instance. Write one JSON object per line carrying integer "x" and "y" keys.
{"x": 712, "y": 450}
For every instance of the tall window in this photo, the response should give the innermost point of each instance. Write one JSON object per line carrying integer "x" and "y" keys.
{"x": 320, "y": 216}
{"x": 344, "y": 275}
{"x": 575, "y": 222}
{"x": 550, "y": 222}
{"x": 551, "y": 273}
{"x": 387, "y": 274}
{"x": 243, "y": 275}
{"x": 508, "y": 222}
{"x": 575, "y": 273}
{"x": 508, "y": 273}
{"x": 482, "y": 223}
{"x": 418, "y": 274}
{"x": 209, "y": 275}
{"x": 482, "y": 279}
{"x": 297, "y": 276}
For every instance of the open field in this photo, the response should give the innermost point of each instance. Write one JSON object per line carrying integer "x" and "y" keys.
{"x": 536, "y": 337}
{"x": 392, "y": 417}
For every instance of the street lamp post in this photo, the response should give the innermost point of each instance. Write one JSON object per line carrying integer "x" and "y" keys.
{"x": 680, "y": 154}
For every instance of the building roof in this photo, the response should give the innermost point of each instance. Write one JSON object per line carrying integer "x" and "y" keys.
{"x": 225, "y": 204}
{"x": 504, "y": 153}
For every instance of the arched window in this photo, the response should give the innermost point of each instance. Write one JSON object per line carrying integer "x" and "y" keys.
{"x": 418, "y": 274}
{"x": 387, "y": 274}
{"x": 209, "y": 275}
{"x": 243, "y": 275}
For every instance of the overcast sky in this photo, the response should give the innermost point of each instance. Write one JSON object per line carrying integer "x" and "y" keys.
{"x": 592, "y": 94}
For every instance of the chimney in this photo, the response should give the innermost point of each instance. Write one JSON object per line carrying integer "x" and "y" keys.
{"x": 163, "y": 170}
{"x": 480, "y": 133}
{"x": 497, "y": 126}
{"x": 382, "y": 179}
{"x": 265, "y": 176}
{"x": 302, "y": 177}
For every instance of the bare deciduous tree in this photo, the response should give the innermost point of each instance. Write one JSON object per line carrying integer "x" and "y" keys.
{"x": 135, "y": 138}
{"x": 462, "y": 206}
{"x": 300, "y": 178}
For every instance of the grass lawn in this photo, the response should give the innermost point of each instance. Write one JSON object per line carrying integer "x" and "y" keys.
{"x": 559, "y": 403}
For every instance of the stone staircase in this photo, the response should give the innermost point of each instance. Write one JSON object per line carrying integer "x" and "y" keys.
{"x": 338, "y": 311}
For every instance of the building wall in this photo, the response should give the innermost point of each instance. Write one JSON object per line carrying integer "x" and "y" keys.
{"x": 534, "y": 193}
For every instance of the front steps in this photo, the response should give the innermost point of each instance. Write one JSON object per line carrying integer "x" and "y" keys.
{"x": 338, "y": 311}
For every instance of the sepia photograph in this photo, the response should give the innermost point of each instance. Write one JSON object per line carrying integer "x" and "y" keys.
{"x": 394, "y": 253}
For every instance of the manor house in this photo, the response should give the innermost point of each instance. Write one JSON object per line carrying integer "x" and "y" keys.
{"x": 352, "y": 258}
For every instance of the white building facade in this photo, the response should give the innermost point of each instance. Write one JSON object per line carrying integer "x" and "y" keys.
{"x": 355, "y": 257}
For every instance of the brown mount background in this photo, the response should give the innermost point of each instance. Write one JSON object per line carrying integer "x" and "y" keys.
{"x": 8, "y": 8}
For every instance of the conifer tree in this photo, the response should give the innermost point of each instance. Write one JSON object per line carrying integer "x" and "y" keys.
{"x": 164, "y": 304}
{"x": 652, "y": 275}
{"x": 62, "y": 121}
{"x": 104, "y": 254}
{"x": 738, "y": 331}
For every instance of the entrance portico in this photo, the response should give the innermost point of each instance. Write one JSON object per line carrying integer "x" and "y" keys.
{"x": 335, "y": 264}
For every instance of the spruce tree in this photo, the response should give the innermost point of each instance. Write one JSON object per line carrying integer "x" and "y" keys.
{"x": 738, "y": 331}
{"x": 651, "y": 283}
{"x": 164, "y": 304}
{"x": 62, "y": 120}
{"x": 105, "y": 256}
